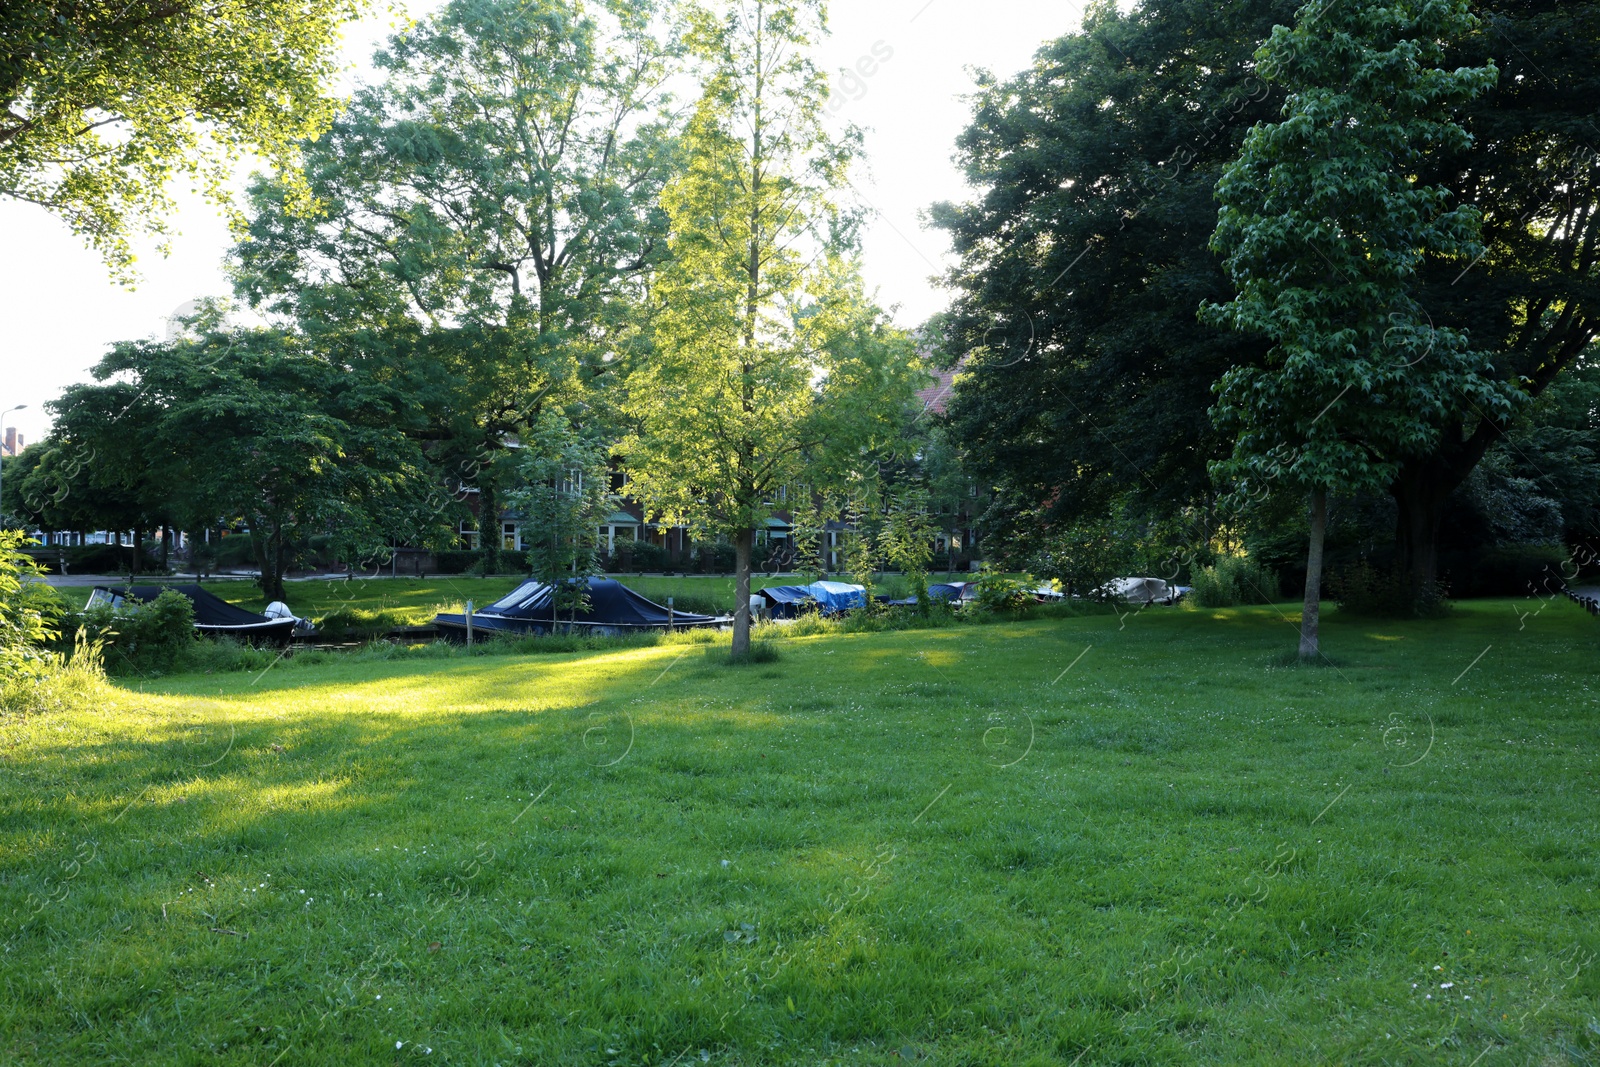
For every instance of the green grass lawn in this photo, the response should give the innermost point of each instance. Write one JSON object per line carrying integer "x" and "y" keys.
{"x": 1077, "y": 841}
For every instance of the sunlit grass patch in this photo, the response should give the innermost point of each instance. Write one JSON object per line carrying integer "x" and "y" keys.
{"x": 1126, "y": 839}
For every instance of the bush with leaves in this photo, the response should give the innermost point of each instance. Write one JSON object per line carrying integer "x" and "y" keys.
{"x": 1366, "y": 591}
{"x": 1232, "y": 581}
{"x": 29, "y": 611}
{"x": 148, "y": 639}
{"x": 999, "y": 592}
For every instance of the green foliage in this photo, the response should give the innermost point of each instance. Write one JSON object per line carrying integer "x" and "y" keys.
{"x": 56, "y": 683}
{"x": 1233, "y": 580}
{"x": 254, "y": 426}
{"x": 105, "y": 101}
{"x": 1086, "y": 555}
{"x": 359, "y": 623}
{"x": 641, "y": 556}
{"x": 30, "y": 612}
{"x": 768, "y": 365}
{"x": 139, "y": 639}
{"x": 906, "y": 539}
{"x": 716, "y": 557}
{"x": 999, "y": 592}
{"x": 1511, "y": 570}
{"x": 492, "y": 266}
{"x": 1365, "y": 591}
{"x": 1324, "y": 227}
{"x": 1081, "y": 257}
{"x": 564, "y": 497}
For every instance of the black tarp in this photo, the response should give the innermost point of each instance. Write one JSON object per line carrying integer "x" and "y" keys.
{"x": 212, "y": 614}
{"x": 613, "y": 608}
{"x": 786, "y": 601}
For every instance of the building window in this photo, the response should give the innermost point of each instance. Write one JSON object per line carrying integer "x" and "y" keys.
{"x": 469, "y": 536}
{"x": 510, "y": 537}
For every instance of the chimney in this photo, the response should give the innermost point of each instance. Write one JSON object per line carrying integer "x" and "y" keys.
{"x": 12, "y": 445}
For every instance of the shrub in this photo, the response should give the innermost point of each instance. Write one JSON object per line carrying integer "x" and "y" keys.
{"x": 715, "y": 558}
{"x": 151, "y": 638}
{"x": 1363, "y": 590}
{"x": 999, "y": 593}
{"x": 1234, "y": 580}
{"x": 29, "y": 610}
{"x": 57, "y": 682}
{"x": 456, "y": 560}
{"x": 1510, "y": 570}
{"x": 643, "y": 556}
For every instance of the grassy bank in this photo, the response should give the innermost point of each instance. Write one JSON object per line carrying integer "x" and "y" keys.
{"x": 1091, "y": 841}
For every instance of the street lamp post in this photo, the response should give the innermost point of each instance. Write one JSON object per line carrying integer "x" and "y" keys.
{"x": 3, "y": 415}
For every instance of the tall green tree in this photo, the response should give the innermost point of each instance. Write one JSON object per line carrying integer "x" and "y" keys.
{"x": 768, "y": 365}
{"x": 1324, "y": 227}
{"x": 250, "y": 426}
{"x": 490, "y": 216}
{"x": 1533, "y": 297}
{"x": 1084, "y": 254}
{"x": 1085, "y": 375}
{"x": 906, "y": 538}
{"x": 564, "y": 498}
{"x": 105, "y": 100}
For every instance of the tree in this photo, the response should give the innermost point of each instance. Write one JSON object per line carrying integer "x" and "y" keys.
{"x": 1533, "y": 296}
{"x": 906, "y": 539}
{"x": 1085, "y": 375}
{"x": 1080, "y": 263}
{"x": 106, "y": 99}
{"x": 96, "y": 472}
{"x": 249, "y": 426}
{"x": 1324, "y": 227}
{"x": 565, "y": 498}
{"x": 490, "y": 215}
{"x": 767, "y": 365}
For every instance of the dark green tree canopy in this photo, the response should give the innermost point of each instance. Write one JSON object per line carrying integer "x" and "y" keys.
{"x": 249, "y": 426}
{"x": 1084, "y": 259}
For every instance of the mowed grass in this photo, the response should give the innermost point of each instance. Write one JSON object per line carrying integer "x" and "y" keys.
{"x": 1081, "y": 841}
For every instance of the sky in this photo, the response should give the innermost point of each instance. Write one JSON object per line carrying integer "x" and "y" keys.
{"x": 911, "y": 63}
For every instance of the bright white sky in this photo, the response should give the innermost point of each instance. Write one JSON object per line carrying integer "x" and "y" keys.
{"x": 60, "y": 311}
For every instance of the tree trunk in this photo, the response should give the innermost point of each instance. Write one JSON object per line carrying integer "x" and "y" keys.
{"x": 1419, "y": 492}
{"x": 269, "y": 556}
{"x": 742, "y": 544}
{"x": 1311, "y": 614}
{"x": 489, "y": 527}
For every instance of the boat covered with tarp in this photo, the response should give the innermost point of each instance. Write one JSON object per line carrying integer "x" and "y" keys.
{"x": 612, "y": 609}
{"x": 212, "y": 615}
{"x": 829, "y": 598}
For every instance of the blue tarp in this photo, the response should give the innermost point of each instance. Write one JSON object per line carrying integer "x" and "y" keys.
{"x": 837, "y": 596}
{"x": 829, "y": 597}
